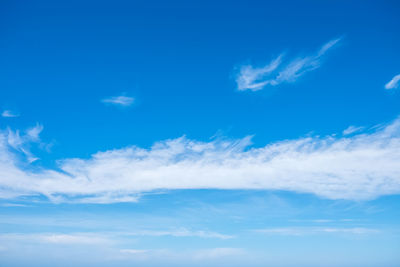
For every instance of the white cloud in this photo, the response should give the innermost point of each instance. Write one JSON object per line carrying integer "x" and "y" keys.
{"x": 300, "y": 231}
{"x": 352, "y": 129}
{"x": 88, "y": 239}
{"x": 121, "y": 100}
{"x": 108, "y": 238}
{"x": 134, "y": 251}
{"x": 21, "y": 142}
{"x": 251, "y": 78}
{"x": 394, "y": 82}
{"x": 98, "y": 248}
{"x": 187, "y": 255}
{"x": 360, "y": 166}
{"x": 57, "y": 238}
{"x": 13, "y": 205}
{"x": 180, "y": 233}
{"x": 254, "y": 79}
{"x": 9, "y": 114}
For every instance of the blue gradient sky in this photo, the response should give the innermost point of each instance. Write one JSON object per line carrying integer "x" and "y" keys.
{"x": 199, "y": 133}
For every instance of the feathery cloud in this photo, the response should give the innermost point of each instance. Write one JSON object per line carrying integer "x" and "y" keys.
{"x": 394, "y": 82}
{"x": 254, "y": 79}
{"x": 364, "y": 165}
{"x": 300, "y": 231}
{"x": 180, "y": 233}
{"x": 57, "y": 238}
{"x": 134, "y": 251}
{"x": 21, "y": 142}
{"x": 9, "y": 114}
{"x": 352, "y": 129}
{"x": 121, "y": 100}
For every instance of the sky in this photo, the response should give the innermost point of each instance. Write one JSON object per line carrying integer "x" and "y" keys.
{"x": 200, "y": 133}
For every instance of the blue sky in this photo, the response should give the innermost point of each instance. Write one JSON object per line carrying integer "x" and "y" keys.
{"x": 200, "y": 133}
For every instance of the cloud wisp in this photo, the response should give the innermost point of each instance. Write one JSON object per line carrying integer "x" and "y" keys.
{"x": 273, "y": 74}
{"x": 364, "y": 165}
{"x": 105, "y": 247}
{"x": 21, "y": 142}
{"x": 122, "y": 100}
{"x": 101, "y": 238}
{"x": 9, "y": 114}
{"x": 181, "y": 233}
{"x": 393, "y": 83}
{"x": 301, "y": 231}
{"x": 352, "y": 129}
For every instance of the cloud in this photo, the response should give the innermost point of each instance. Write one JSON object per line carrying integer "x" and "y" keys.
{"x": 300, "y": 231}
{"x": 9, "y": 114}
{"x": 21, "y": 142}
{"x": 108, "y": 238}
{"x": 134, "y": 251}
{"x": 86, "y": 239}
{"x": 13, "y": 205}
{"x": 124, "y": 101}
{"x": 187, "y": 255}
{"x": 57, "y": 238}
{"x": 394, "y": 82}
{"x": 87, "y": 249}
{"x": 272, "y": 74}
{"x": 352, "y": 129}
{"x": 181, "y": 233}
{"x": 361, "y": 166}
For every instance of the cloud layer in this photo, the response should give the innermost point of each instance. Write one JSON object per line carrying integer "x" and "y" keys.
{"x": 364, "y": 165}
{"x": 272, "y": 74}
{"x": 9, "y": 114}
{"x": 394, "y": 82}
{"x": 299, "y": 231}
{"x": 124, "y": 101}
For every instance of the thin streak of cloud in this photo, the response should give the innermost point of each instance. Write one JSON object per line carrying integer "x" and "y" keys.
{"x": 122, "y": 100}
{"x": 21, "y": 142}
{"x": 188, "y": 255}
{"x": 352, "y": 129}
{"x": 9, "y": 114}
{"x": 73, "y": 239}
{"x": 254, "y": 79}
{"x": 13, "y": 205}
{"x": 58, "y": 238}
{"x": 181, "y": 233}
{"x": 393, "y": 83}
{"x": 134, "y": 251}
{"x": 301, "y": 231}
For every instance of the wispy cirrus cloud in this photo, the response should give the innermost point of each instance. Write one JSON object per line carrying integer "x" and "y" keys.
{"x": 364, "y": 165}
{"x": 300, "y": 231}
{"x": 393, "y": 83}
{"x": 21, "y": 141}
{"x": 88, "y": 239}
{"x": 134, "y": 251}
{"x": 190, "y": 255}
{"x": 100, "y": 248}
{"x": 9, "y": 114}
{"x": 103, "y": 238}
{"x": 58, "y": 238}
{"x": 352, "y": 129}
{"x": 257, "y": 78}
{"x": 180, "y": 233}
{"x": 122, "y": 100}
